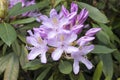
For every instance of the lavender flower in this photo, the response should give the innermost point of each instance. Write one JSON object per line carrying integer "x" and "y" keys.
{"x": 80, "y": 56}
{"x": 62, "y": 43}
{"x": 60, "y": 31}
{"x": 39, "y": 47}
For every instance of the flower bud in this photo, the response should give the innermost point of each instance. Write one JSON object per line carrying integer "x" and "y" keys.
{"x": 3, "y": 8}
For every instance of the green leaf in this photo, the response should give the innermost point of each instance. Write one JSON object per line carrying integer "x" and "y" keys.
{"x": 23, "y": 21}
{"x": 16, "y": 47}
{"x": 12, "y": 69}
{"x": 81, "y": 76}
{"x": 33, "y": 65}
{"x": 94, "y": 13}
{"x": 43, "y": 74}
{"x": 7, "y": 33}
{"x": 65, "y": 67}
{"x": 99, "y": 49}
{"x": 4, "y": 49}
{"x": 107, "y": 66}
{"x": 14, "y": 9}
{"x": 23, "y": 56}
{"x": 3, "y": 62}
{"x": 98, "y": 71}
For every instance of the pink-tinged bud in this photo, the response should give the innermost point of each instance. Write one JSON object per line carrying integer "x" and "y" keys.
{"x": 82, "y": 16}
{"x": 92, "y": 31}
{"x": 74, "y": 7}
{"x": 3, "y": 8}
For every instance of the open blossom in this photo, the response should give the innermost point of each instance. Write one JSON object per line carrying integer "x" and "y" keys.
{"x": 62, "y": 43}
{"x": 60, "y": 32}
{"x": 39, "y": 47}
{"x": 80, "y": 56}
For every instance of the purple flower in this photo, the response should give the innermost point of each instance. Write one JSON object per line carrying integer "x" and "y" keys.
{"x": 39, "y": 46}
{"x": 54, "y": 24}
{"x": 60, "y": 31}
{"x": 62, "y": 43}
{"x": 84, "y": 40}
{"x": 80, "y": 56}
{"x": 92, "y": 31}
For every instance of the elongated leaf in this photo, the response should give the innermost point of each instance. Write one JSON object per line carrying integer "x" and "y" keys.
{"x": 24, "y": 21}
{"x": 7, "y": 33}
{"x": 98, "y": 71}
{"x": 3, "y": 62}
{"x": 81, "y": 76}
{"x": 65, "y": 67}
{"x": 43, "y": 74}
{"x": 94, "y": 13}
{"x": 12, "y": 69}
{"x": 15, "y": 8}
{"x": 23, "y": 56}
{"x": 16, "y": 47}
{"x": 33, "y": 65}
{"x": 4, "y": 49}
{"x": 107, "y": 66}
{"x": 100, "y": 49}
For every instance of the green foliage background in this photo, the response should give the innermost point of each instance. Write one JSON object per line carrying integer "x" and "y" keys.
{"x": 105, "y": 57}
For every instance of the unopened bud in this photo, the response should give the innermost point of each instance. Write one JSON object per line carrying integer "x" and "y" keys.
{"x": 3, "y": 8}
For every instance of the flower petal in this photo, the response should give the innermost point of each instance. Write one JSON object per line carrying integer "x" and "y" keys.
{"x": 71, "y": 49}
{"x": 43, "y": 57}
{"x": 53, "y": 13}
{"x": 32, "y": 41}
{"x": 84, "y": 40}
{"x": 74, "y": 7}
{"x": 34, "y": 53}
{"x": 92, "y": 31}
{"x": 76, "y": 67}
{"x": 87, "y": 49}
{"x": 86, "y": 62}
{"x": 70, "y": 38}
{"x": 57, "y": 54}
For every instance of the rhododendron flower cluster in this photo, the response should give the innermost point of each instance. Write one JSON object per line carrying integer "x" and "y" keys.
{"x": 60, "y": 31}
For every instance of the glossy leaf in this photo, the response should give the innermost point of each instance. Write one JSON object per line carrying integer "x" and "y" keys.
{"x": 81, "y": 76}
{"x": 33, "y": 65}
{"x": 65, "y": 67}
{"x": 100, "y": 49}
{"x": 24, "y": 21}
{"x": 7, "y": 33}
{"x": 98, "y": 71}
{"x": 16, "y": 47}
{"x": 23, "y": 56}
{"x": 94, "y": 13}
{"x": 3, "y": 62}
{"x": 43, "y": 74}
{"x": 12, "y": 69}
{"x": 107, "y": 66}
